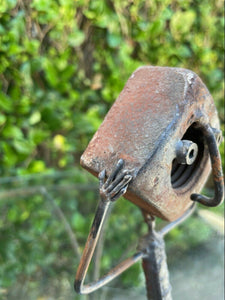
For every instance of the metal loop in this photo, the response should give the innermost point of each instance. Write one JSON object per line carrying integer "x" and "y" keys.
{"x": 88, "y": 252}
{"x": 217, "y": 172}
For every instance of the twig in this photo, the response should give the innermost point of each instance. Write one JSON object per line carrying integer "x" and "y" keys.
{"x": 56, "y": 174}
{"x": 61, "y": 215}
{"x": 122, "y": 20}
{"x": 23, "y": 192}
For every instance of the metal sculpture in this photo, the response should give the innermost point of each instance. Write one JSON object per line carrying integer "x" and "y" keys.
{"x": 161, "y": 133}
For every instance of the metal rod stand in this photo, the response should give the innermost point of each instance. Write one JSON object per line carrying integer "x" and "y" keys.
{"x": 154, "y": 264}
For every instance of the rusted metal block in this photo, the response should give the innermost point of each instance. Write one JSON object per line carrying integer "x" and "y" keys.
{"x": 157, "y": 109}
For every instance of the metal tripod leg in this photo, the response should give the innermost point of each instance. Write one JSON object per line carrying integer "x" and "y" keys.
{"x": 154, "y": 261}
{"x": 155, "y": 265}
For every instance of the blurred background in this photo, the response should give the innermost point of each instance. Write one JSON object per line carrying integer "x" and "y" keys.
{"x": 62, "y": 65}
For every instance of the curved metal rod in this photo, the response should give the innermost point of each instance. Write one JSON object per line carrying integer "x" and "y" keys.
{"x": 216, "y": 169}
{"x": 178, "y": 221}
{"x": 89, "y": 251}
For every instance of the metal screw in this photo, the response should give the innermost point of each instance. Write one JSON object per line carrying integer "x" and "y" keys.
{"x": 186, "y": 152}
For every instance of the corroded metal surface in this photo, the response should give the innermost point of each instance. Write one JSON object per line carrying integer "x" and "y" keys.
{"x": 154, "y": 264}
{"x": 157, "y": 108}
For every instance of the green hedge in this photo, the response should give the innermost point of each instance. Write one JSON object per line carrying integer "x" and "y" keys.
{"x": 63, "y": 63}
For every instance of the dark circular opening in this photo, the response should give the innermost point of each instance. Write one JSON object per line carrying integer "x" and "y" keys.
{"x": 181, "y": 174}
{"x": 191, "y": 154}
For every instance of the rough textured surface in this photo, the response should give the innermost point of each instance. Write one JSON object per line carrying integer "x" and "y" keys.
{"x": 152, "y": 113}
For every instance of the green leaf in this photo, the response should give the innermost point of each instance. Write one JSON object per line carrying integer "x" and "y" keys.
{"x": 76, "y": 38}
{"x": 12, "y": 214}
{"x": 51, "y": 73}
{"x": 156, "y": 27}
{"x": 35, "y": 117}
{"x": 10, "y": 158}
{"x": 181, "y": 23}
{"x": 2, "y": 119}
{"x": 23, "y": 146}
{"x": 11, "y": 131}
{"x": 5, "y": 102}
{"x": 113, "y": 40}
{"x": 37, "y": 135}
{"x": 37, "y": 166}
{"x": 78, "y": 221}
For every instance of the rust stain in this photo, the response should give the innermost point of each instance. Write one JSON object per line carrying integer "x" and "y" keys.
{"x": 151, "y": 114}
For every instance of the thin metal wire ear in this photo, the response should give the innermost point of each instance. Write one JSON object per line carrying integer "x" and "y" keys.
{"x": 217, "y": 172}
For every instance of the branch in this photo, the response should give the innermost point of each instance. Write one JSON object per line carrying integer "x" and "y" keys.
{"x": 24, "y": 192}
{"x": 61, "y": 215}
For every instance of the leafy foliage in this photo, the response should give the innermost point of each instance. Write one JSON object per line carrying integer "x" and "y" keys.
{"x": 62, "y": 65}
